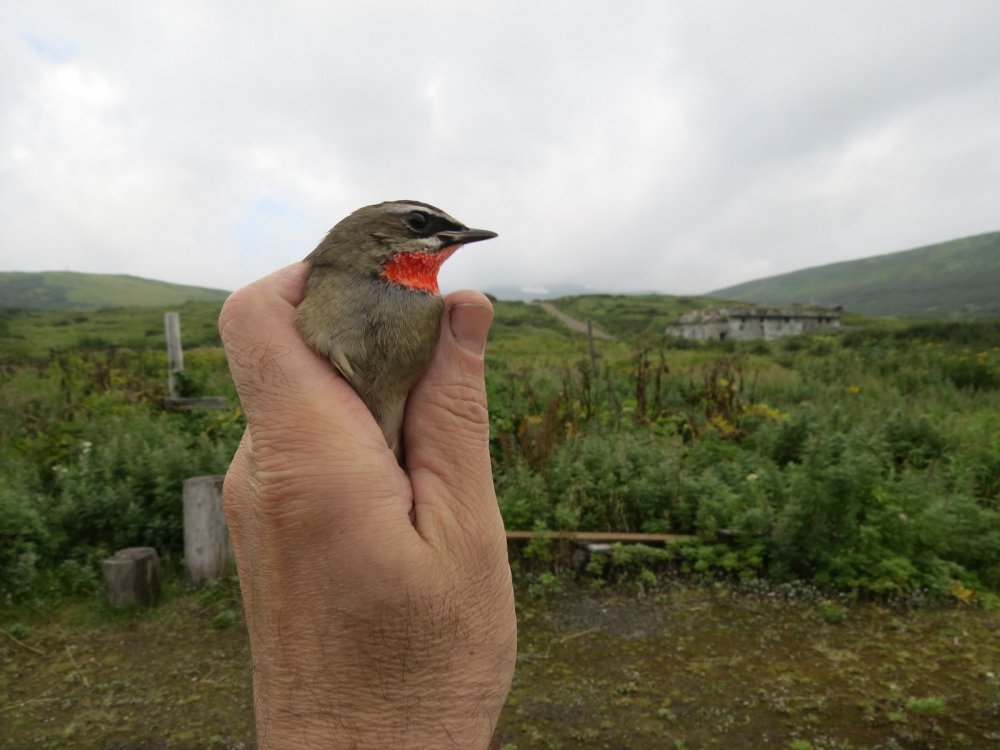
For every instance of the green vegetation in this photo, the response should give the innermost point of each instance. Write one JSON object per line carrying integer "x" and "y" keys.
{"x": 956, "y": 279}
{"x": 868, "y": 462}
{"x": 35, "y": 334}
{"x": 810, "y": 472}
{"x": 632, "y": 314}
{"x": 92, "y": 464}
{"x": 68, "y": 290}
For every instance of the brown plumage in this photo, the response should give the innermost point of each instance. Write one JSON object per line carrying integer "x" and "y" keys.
{"x": 372, "y": 305}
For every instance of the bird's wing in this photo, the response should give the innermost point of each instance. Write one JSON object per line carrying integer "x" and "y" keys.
{"x": 342, "y": 362}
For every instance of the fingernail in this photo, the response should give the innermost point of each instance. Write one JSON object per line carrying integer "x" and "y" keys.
{"x": 470, "y": 323}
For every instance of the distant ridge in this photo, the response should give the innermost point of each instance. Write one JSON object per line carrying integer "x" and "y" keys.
{"x": 69, "y": 290}
{"x": 547, "y": 291}
{"x": 956, "y": 279}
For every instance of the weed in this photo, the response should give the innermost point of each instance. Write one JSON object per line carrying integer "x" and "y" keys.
{"x": 225, "y": 619}
{"x": 929, "y": 706}
{"x": 832, "y": 613}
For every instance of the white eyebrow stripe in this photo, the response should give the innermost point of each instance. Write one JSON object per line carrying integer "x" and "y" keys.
{"x": 405, "y": 208}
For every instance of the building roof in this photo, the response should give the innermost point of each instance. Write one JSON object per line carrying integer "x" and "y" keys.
{"x": 720, "y": 314}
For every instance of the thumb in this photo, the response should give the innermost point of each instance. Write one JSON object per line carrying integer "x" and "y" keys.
{"x": 446, "y": 430}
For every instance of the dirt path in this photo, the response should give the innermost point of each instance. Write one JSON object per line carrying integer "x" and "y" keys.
{"x": 572, "y": 323}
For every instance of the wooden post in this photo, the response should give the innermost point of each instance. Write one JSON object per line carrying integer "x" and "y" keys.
{"x": 208, "y": 552}
{"x": 175, "y": 364}
{"x": 132, "y": 577}
{"x": 593, "y": 352}
{"x": 175, "y": 353}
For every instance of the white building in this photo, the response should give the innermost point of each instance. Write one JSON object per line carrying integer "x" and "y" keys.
{"x": 748, "y": 323}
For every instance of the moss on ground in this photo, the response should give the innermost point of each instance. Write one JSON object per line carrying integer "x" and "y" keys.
{"x": 682, "y": 666}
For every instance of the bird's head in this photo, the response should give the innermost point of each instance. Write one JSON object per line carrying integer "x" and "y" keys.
{"x": 402, "y": 242}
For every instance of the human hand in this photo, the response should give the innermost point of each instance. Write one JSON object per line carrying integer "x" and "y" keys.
{"x": 367, "y": 629}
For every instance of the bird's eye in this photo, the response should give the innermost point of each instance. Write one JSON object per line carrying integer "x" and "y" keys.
{"x": 417, "y": 220}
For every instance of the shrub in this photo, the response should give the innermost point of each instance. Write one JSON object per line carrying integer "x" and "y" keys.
{"x": 985, "y": 475}
{"x": 785, "y": 442}
{"x": 123, "y": 487}
{"x": 828, "y": 497}
{"x": 873, "y": 466}
{"x": 523, "y": 498}
{"x": 913, "y": 440}
{"x": 971, "y": 372}
{"x": 24, "y": 538}
{"x": 626, "y": 484}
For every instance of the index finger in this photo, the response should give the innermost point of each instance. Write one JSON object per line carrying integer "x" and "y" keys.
{"x": 283, "y": 385}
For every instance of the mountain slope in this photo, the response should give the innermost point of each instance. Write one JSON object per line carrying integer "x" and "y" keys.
{"x": 529, "y": 292}
{"x": 956, "y": 279}
{"x": 68, "y": 290}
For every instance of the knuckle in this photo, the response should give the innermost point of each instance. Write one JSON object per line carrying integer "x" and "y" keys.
{"x": 232, "y": 311}
{"x": 464, "y": 405}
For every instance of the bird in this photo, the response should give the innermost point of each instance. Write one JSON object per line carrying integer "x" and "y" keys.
{"x": 372, "y": 305}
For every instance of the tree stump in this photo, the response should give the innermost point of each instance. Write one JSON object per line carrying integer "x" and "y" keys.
{"x": 132, "y": 577}
{"x": 208, "y": 552}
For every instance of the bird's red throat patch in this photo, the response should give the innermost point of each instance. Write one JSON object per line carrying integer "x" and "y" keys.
{"x": 417, "y": 270}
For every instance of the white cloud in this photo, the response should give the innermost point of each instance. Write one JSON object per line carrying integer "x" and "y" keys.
{"x": 679, "y": 147}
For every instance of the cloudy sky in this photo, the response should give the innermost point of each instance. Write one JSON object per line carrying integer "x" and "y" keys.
{"x": 677, "y": 146}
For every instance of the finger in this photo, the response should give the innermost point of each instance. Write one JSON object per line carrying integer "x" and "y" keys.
{"x": 308, "y": 425}
{"x": 237, "y": 492}
{"x": 283, "y": 385}
{"x": 447, "y": 425}
{"x": 237, "y": 502}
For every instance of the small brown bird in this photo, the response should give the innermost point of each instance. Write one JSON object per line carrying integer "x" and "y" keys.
{"x": 372, "y": 304}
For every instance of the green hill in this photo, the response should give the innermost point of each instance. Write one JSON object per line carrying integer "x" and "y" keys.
{"x": 67, "y": 290}
{"x": 624, "y": 315}
{"x": 956, "y": 279}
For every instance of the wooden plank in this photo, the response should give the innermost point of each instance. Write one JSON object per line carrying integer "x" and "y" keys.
{"x": 598, "y": 536}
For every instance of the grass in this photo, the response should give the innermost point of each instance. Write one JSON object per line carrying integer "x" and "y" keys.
{"x": 68, "y": 290}
{"x": 874, "y": 453}
{"x": 35, "y": 334}
{"x": 634, "y": 314}
{"x": 868, "y": 463}
{"x": 956, "y": 279}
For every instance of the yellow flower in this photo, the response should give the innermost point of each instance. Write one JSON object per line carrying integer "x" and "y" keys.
{"x": 722, "y": 425}
{"x": 963, "y": 593}
{"x": 854, "y": 390}
{"x": 766, "y": 412}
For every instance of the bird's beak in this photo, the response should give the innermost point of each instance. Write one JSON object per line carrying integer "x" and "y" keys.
{"x": 465, "y": 236}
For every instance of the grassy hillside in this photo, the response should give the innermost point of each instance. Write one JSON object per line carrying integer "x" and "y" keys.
{"x": 528, "y": 293}
{"x": 632, "y": 314}
{"x": 68, "y": 290}
{"x": 956, "y": 279}
{"x": 33, "y": 335}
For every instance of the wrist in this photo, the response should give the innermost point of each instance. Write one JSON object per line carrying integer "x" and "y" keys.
{"x": 322, "y": 721}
